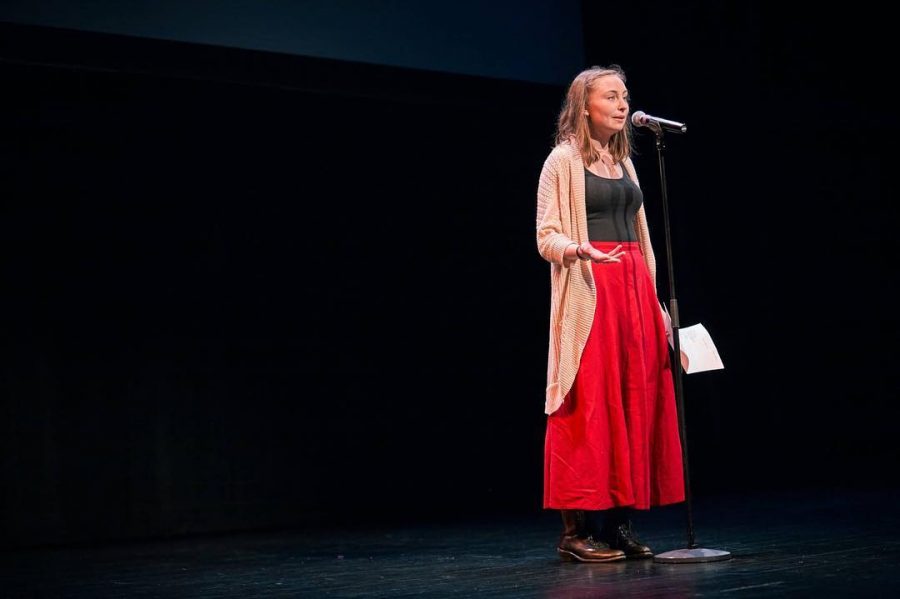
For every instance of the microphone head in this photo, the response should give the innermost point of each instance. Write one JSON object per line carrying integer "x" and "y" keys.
{"x": 637, "y": 118}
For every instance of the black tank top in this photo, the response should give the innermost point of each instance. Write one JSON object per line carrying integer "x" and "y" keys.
{"x": 612, "y": 205}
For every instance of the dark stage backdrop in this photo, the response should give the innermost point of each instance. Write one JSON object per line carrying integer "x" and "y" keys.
{"x": 527, "y": 40}
{"x": 246, "y": 290}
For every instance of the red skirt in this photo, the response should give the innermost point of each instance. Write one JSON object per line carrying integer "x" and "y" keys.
{"x": 615, "y": 441}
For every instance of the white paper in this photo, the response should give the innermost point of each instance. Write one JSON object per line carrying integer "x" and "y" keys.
{"x": 698, "y": 352}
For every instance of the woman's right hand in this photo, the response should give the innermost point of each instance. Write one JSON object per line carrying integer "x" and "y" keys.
{"x": 588, "y": 251}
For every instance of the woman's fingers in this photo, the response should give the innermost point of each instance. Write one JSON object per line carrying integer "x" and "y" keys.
{"x": 614, "y": 255}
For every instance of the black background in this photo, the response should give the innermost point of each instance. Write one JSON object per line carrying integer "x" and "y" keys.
{"x": 244, "y": 290}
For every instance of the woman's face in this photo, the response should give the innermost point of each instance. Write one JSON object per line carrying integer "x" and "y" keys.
{"x": 607, "y": 106}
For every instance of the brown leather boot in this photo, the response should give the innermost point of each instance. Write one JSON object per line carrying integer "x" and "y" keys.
{"x": 576, "y": 545}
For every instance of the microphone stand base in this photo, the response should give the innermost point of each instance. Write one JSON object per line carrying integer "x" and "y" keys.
{"x": 692, "y": 556}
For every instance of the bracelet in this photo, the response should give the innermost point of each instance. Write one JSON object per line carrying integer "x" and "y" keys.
{"x": 578, "y": 252}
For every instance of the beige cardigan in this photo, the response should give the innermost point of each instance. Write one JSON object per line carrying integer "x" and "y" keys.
{"x": 562, "y": 221}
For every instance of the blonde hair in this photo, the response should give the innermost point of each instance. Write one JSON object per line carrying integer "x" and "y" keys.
{"x": 574, "y": 126}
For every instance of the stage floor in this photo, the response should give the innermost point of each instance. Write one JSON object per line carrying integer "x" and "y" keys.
{"x": 811, "y": 544}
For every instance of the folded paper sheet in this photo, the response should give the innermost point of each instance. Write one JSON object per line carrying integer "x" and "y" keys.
{"x": 698, "y": 352}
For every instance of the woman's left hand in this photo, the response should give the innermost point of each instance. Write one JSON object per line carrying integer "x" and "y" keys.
{"x": 596, "y": 255}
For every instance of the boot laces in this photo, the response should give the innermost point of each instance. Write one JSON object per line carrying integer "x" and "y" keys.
{"x": 626, "y": 533}
{"x": 596, "y": 543}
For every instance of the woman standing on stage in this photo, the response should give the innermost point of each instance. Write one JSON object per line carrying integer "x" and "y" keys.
{"x": 612, "y": 443}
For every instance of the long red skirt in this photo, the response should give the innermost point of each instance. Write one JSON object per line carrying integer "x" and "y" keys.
{"x": 615, "y": 441}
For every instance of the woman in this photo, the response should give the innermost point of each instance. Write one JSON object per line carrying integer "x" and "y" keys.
{"x": 612, "y": 442}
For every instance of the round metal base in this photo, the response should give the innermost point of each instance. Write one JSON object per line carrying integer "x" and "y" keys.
{"x": 692, "y": 556}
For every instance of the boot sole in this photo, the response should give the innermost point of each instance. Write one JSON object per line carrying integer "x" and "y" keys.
{"x": 571, "y": 557}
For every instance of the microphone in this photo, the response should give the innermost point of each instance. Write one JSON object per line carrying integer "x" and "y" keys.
{"x": 642, "y": 119}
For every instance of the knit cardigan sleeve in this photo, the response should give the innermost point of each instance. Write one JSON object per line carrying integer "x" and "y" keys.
{"x": 553, "y": 190}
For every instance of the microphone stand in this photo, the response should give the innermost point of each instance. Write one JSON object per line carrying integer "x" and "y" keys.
{"x": 693, "y": 553}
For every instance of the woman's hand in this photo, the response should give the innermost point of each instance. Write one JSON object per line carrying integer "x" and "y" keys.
{"x": 587, "y": 251}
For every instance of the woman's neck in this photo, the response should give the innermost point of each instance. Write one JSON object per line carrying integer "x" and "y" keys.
{"x": 600, "y": 145}
{"x": 602, "y": 150}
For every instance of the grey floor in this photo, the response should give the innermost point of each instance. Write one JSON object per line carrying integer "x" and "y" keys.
{"x": 810, "y": 544}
